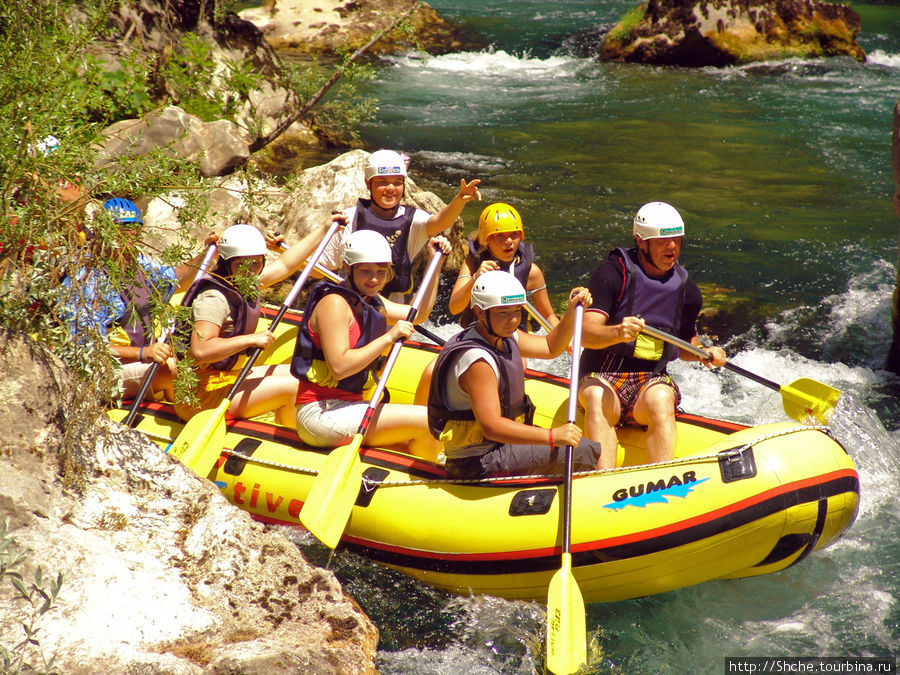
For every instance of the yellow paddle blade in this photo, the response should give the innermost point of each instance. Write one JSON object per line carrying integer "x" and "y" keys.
{"x": 330, "y": 500}
{"x": 566, "y": 623}
{"x": 804, "y": 399}
{"x": 202, "y": 439}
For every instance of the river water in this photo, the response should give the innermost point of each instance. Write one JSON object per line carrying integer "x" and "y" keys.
{"x": 782, "y": 171}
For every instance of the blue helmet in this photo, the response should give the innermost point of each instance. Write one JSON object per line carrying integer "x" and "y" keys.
{"x": 123, "y": 211}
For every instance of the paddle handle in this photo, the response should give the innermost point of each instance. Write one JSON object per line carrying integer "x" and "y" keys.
{"x": 395, "y": 350}
{"x": 288, "y": 301}
{"x": 151, "y": 373}
{"x": 703, "y": 354}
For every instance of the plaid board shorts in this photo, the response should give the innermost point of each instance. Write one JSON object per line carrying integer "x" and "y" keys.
{"x": 628, "y": 387}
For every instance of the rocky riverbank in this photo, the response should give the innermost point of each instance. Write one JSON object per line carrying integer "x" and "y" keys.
{"x": 160, "y": 573}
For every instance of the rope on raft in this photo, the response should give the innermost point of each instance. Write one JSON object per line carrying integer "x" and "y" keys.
{"x": 372, "y": 484}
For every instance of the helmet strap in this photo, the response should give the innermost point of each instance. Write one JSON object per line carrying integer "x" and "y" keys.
{"x": 645, "y": 254}
{"x": 487, "y": 324}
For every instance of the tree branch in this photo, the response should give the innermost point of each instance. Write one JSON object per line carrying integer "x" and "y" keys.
{"x": 263, "y": 141}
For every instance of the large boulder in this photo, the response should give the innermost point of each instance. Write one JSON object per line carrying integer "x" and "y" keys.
{"x": 160, "y": 573}
{"x": 216, "y": 147}
{"x": 726, "y": 32}
{"x": 325, "y": 27}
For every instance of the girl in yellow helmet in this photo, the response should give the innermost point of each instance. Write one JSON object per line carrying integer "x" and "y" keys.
{"x": 499, "y": 244}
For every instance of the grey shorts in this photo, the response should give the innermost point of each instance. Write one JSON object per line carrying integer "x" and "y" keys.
{"x": 523, "y": 460}
{"x": 329, "y": 423}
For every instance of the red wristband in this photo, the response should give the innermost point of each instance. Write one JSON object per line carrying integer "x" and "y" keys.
{"x": 551, "y": 438}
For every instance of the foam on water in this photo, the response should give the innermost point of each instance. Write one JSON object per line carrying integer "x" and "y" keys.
{"x": 881, "y": 58}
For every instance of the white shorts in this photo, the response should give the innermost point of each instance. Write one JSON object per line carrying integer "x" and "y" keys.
{"x": 329, "y": 423}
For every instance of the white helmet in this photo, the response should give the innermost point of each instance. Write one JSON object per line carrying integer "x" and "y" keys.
{"x": 241, "y": 240}
{"x": 497, "y": 289}
{"x": 385, "y": 163}
{"x": 656, "y": 220}
{"x": 366, "y": 246}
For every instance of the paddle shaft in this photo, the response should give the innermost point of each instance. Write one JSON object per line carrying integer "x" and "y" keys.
{"x": 395, "y": 350}
{"x": 573, "y": 404}
{"x": 151, "y": 373}
{"x": 703, "y": 354}
{"x": 288, "y": 301}
{"x": 566, "y": 624}
{"x": 537, "y": 316}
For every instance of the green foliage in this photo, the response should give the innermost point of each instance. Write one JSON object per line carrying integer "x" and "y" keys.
{"x": 226, "y": 88}
{"x": 622, "y": 31}
{"x": 50, "y": 201}
{"x": 32, "y": 599}
{"x": 343, "y": 110}
{"x": 66, "y": 70}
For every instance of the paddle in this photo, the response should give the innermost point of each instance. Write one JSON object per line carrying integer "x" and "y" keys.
{"x": 151, "y": 373}
{"x": 566, "y": 623}
{"x": 802, "y": 399}
{"x": 330, "y": 500}
{"x": 200, "y": 442}
{"x": 537, "y": 316}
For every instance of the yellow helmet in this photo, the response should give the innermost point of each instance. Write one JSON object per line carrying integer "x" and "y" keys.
{"x": 498, "y": 217}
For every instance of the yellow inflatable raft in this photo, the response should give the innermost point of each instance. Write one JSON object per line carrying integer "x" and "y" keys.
{"x": 737, "y": 501}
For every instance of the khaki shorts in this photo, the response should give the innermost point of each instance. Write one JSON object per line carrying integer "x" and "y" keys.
{"x": 329, "y": 423}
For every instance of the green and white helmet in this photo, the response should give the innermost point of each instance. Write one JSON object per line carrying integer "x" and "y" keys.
{"x": 366, "y": 246}
{"x": 497, "y": 289}
{"x": 241, "y": 240}
{"x": 385, "y": 163}
{"x": 656, "y": 220}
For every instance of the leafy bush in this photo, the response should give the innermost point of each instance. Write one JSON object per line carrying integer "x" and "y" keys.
{"x": 32, "y": 599}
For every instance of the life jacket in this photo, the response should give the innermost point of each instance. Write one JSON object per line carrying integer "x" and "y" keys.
{"x": 521, "y": 269}
{"x": 659, "y": 303}
{"x": 459, "y": 428}
{"x": 136, "y": 321}
{"x": 308, "y": 362}
{"x": 244, "y": 318}
{"x": 396, "y": 232}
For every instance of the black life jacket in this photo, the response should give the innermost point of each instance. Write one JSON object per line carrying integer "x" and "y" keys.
{"x": 396, "y": 232}
{"x": 514, "y": 402}
{"x": 136, "y": 321}
{"x": 659, "y": 303}
{"x": 244, "y": 316}
{"x": 308, "y": 362}
{"x": 521, "y": 269}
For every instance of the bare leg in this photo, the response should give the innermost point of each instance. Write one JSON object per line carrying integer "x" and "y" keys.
{"x": 655, "y": 408}
{"x": 164, "y": 381}
{"x": 601, "y": 412}
{"x": 404, "y": 425}
{"x": 421, "y": 396}
{"x": 265, "y": 389}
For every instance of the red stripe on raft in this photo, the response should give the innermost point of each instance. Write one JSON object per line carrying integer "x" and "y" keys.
{"x": 602, "y": 544}
{"x": 718, "y": 513}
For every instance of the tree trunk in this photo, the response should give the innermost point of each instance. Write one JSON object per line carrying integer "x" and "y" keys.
{"x": 893, "y": 359}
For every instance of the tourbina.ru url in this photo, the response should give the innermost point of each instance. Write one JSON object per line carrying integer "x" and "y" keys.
{"x": 811, "y": 664}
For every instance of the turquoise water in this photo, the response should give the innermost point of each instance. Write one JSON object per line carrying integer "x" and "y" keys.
{"x": 782, "y": 171}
